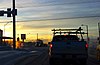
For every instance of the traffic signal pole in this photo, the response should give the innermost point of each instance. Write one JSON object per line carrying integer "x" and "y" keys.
{"x": 14, "y": 26}
{"x": 14, "y": 13}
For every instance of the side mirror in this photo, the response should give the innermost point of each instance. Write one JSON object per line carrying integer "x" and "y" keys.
{"x": 82, "y": 40}
{"x": 49, "y": 42}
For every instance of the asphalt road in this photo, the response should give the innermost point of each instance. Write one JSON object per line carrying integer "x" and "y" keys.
{"x": 37, "y": 56}
{"x": 10, "y": 57}
{"x": 43, "y": 58}
{"x": 92, "y": 59}
{"x": 34, "y": 56}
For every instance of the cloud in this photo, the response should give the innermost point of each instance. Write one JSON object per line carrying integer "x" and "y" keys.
{"x": 29, "y": 10}
{"x": 59, "y": 11}
{"x": 5, "y": 4}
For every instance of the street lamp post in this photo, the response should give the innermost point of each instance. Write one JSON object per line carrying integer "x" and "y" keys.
{"x": 4, "y": 28}
{"x": 87, "y": 32}
{"x": 5, "y": 25}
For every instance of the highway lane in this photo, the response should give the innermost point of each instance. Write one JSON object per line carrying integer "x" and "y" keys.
{"x": 23, "y": 57}
{"x": 37, "y": 56}
{"x": 9, "y": 57}
{"x": 41, "y": 58}
{"x": 92, "y": 59}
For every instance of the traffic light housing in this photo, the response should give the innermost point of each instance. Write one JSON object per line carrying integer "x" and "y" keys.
{"x": 15, "y": 11}
{"x": 9, "y": 12}
{"x": 2, "y": 13}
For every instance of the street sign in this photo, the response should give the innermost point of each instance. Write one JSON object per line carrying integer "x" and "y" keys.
{"x": 23, "y": 36}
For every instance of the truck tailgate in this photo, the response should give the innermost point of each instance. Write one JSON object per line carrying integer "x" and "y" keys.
{"x": 69, "y": 47}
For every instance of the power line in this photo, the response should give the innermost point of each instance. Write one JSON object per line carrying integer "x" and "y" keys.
{"x": 5, "y": 21}
{"x": 61, "y": 18}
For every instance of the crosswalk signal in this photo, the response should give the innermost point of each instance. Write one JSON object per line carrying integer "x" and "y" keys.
{"x": 8, "y": 12}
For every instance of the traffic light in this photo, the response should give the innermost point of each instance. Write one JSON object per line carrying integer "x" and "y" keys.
{"x": 15, "y": 11}
{"x": 2, "y": 13}
{"x": 9, "y": 12}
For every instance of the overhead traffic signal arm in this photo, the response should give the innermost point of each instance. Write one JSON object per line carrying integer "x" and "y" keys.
{"x": 2, "y": 13}
{"x": 8, "y": 12}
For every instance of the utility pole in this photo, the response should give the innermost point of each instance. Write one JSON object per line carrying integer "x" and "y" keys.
{"x": 4, "y": 28}
{"x": 87, "y": 32}
{"x": 99, "y": 32}
{"x": 14, "y": 26}
{"x": 37, "y": 36}
{"x": 14, "y": 13}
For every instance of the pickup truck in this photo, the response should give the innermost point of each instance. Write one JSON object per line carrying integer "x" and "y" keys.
{"x": 67, "y": 47}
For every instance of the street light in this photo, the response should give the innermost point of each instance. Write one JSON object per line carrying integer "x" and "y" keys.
{"x": 4, "y": 28}
{"x": 5, "y": 25}
{"x": 87, "y": 32}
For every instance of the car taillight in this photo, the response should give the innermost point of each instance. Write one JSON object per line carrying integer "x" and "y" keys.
{"x": 50, "y": 45}
{"x": 86, "y": 45}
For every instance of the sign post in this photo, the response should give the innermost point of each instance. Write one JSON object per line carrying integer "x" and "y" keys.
{"x": 1, "y": 35}
{"x": 23, "y": 37}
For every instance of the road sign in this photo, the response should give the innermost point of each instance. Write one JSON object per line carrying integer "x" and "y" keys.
{"x": 23, "y": 36}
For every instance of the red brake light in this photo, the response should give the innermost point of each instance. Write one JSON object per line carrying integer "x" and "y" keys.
{"x": 50, "y": 45}
{"x": 86, "y": 45}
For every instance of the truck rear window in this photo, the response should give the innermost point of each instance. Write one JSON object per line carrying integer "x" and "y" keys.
{"x": 65, "y": 38}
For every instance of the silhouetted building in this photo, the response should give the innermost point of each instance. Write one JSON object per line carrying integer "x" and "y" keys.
{"x": 1, "y": 35}
{"x": 39, "y": 43}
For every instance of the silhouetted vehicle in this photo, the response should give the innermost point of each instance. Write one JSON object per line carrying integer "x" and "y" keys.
{"x": 39, "y": 43}
{"x": 68, "y": 47}
{"x": 98, "y": 52}
{"x": 5, "y": 47}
